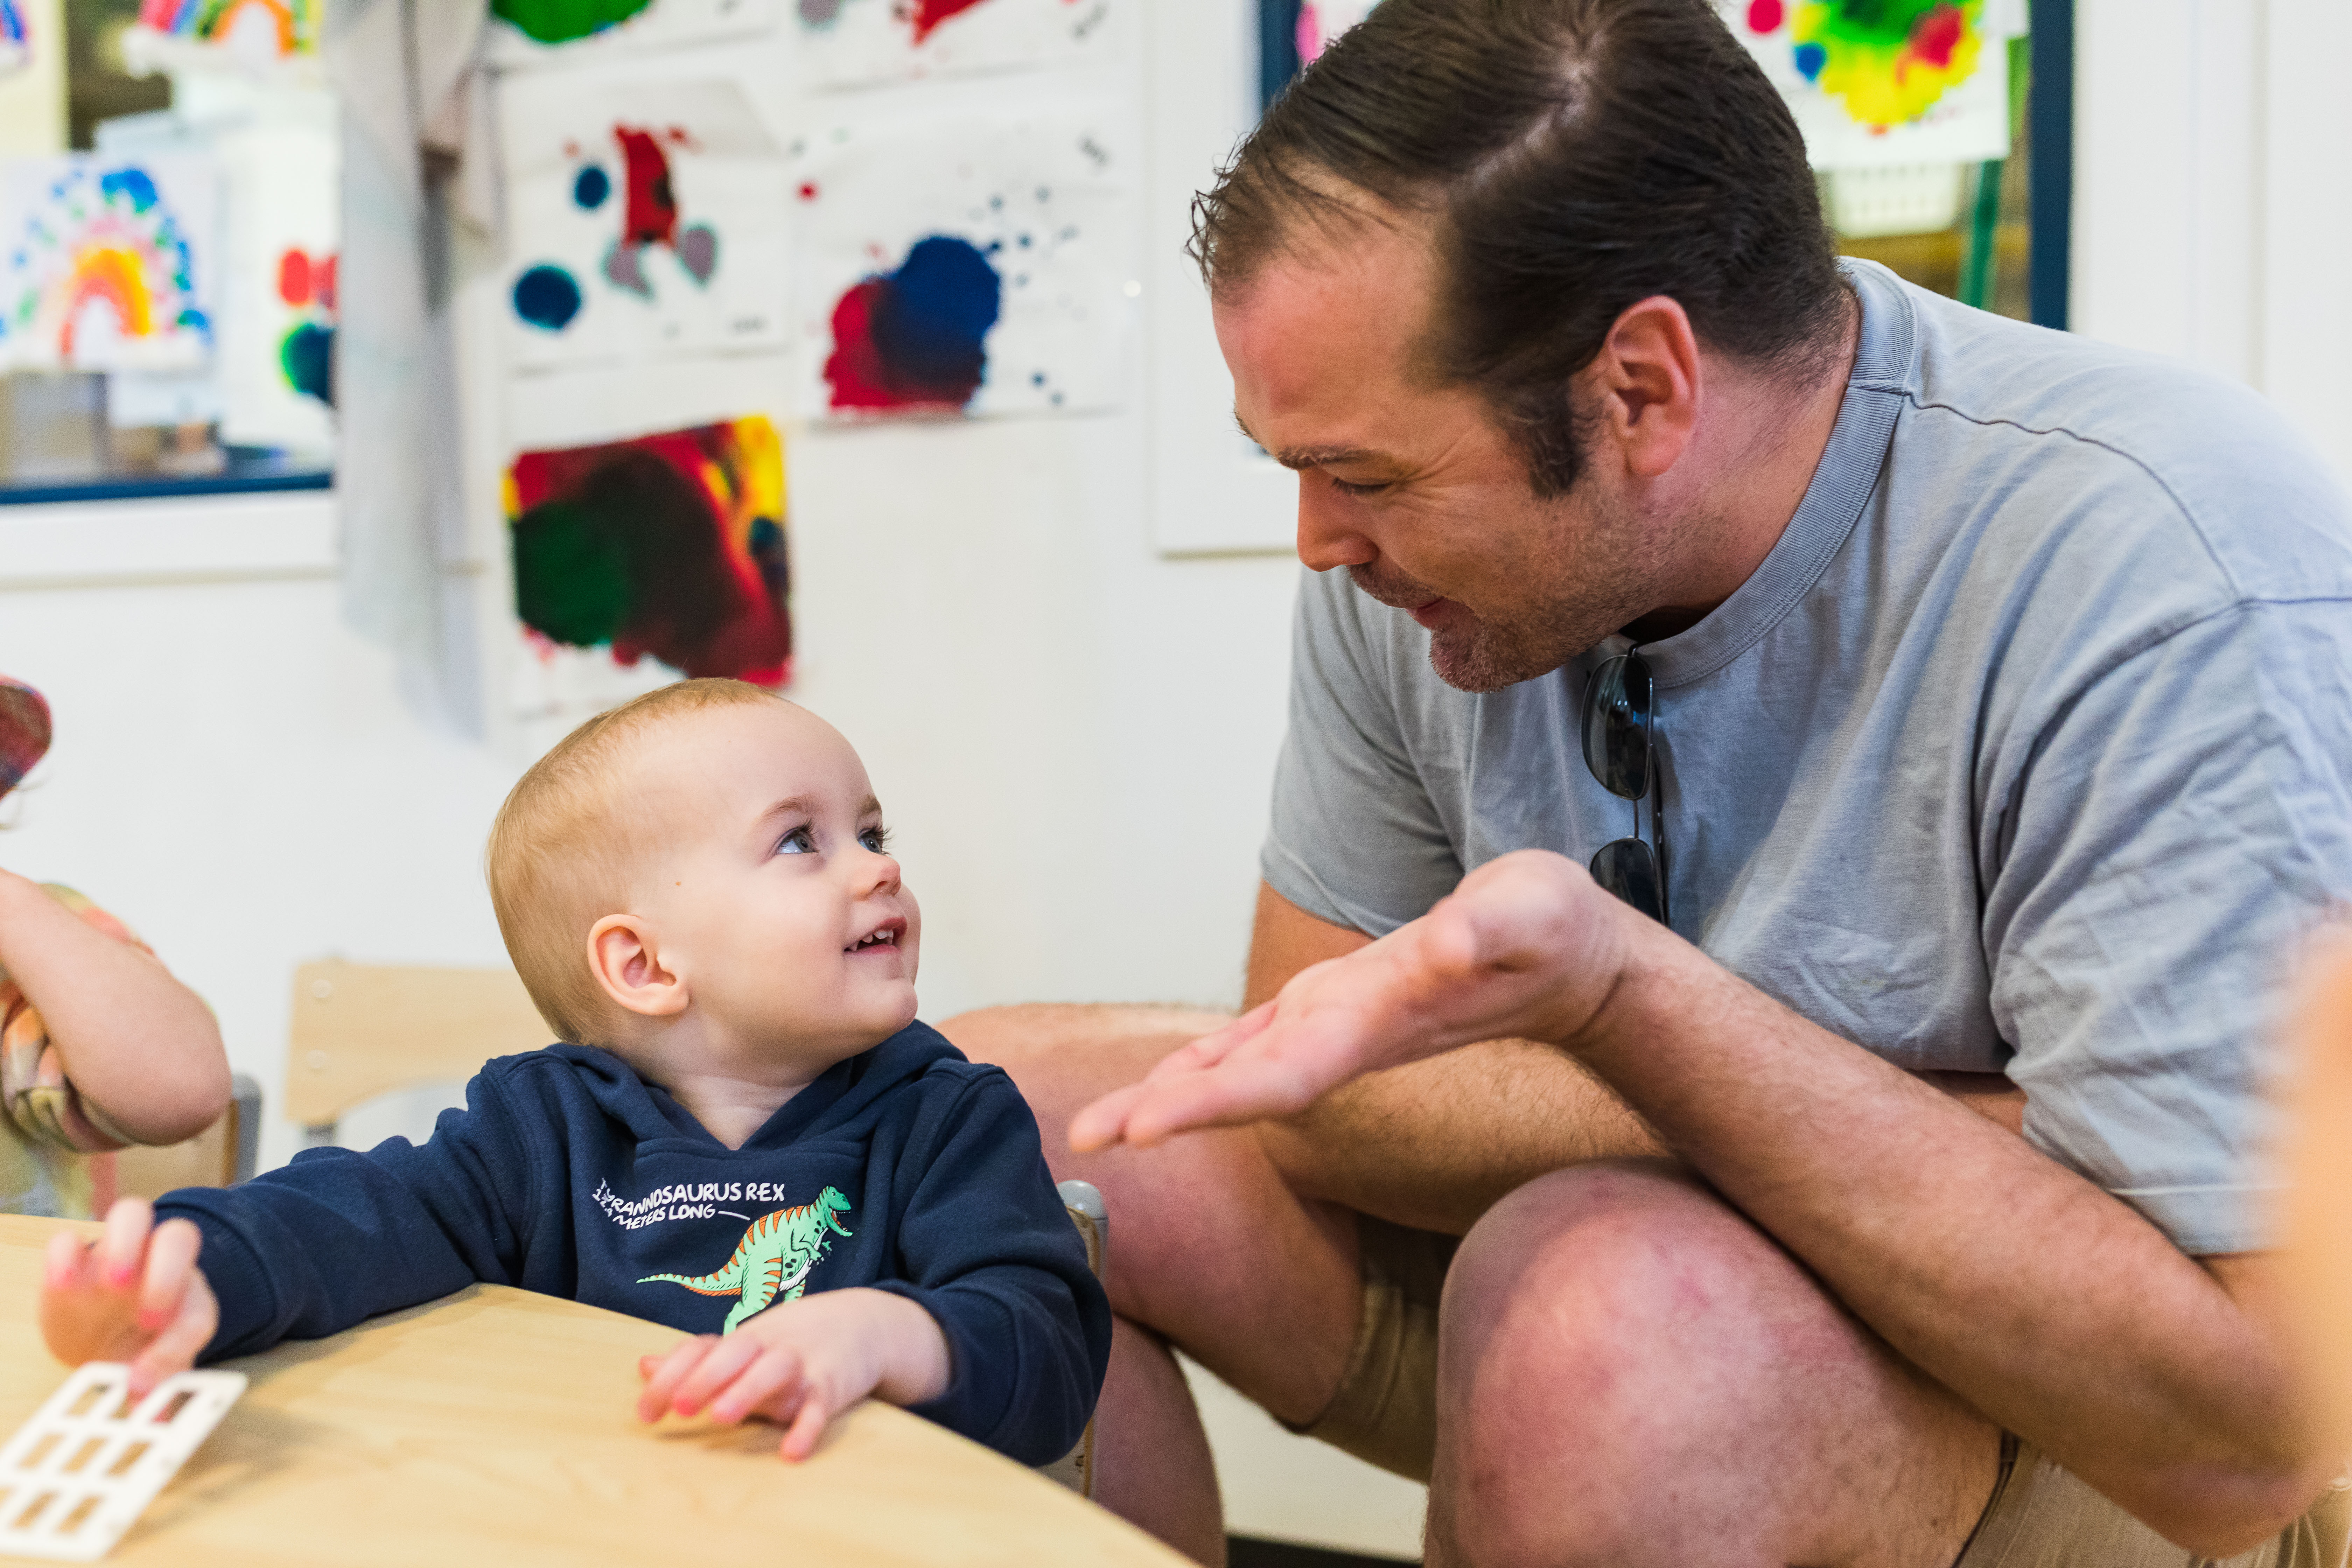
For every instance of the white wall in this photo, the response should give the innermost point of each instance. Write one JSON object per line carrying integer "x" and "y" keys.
{"x": 2211, "y": 214}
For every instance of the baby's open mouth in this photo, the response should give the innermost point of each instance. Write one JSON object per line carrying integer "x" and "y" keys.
{"x": 886, "y": 937}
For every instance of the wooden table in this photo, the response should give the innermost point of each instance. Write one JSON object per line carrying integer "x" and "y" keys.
{"x": 495, "y": 1427}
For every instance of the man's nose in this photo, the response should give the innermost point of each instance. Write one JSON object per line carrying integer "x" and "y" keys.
{"x": 1328, "y": 531}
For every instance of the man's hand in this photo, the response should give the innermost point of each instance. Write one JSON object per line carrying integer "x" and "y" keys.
{"x": 133, "y": 1295}
{"x": 1527, "y": 946}
{"x": 801, "y": 1364}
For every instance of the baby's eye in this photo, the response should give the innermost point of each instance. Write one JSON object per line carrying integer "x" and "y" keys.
{"x": 876, "y": 839}
{"x": 801, "y": 840}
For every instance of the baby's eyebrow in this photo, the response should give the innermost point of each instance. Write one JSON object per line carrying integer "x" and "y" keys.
{"x": 806, "y": 805}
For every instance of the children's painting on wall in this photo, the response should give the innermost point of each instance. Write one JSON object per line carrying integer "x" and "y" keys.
{"x": 967, "y": 266}
{"x": 105, "y": 263}
{"x": 536, "y": 32}
{"x": 1905, "y": 81}
{"x": 251, "y": 33}
{"x": 668, "y": 547}
{"x": 15, "y": 38}
{"x": 850, "y": 42}
{"x": 642, "y": 219}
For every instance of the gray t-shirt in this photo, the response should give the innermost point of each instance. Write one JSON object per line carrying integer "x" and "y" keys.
{"x": 2028, "y": 749}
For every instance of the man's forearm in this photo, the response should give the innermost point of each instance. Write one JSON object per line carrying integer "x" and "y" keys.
{"x": 2048, "y": 1304}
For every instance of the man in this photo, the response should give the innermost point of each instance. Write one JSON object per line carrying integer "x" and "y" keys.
{"x": 1958, "y": 713}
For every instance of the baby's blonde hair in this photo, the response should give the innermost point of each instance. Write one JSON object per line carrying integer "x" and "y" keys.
{"x": 562, "y": 847}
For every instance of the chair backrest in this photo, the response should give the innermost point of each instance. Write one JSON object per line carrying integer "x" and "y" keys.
{"x": 1083, "y": 1200}
{"x": 220, "y": 1156}
{"x": 361, "y": 1030}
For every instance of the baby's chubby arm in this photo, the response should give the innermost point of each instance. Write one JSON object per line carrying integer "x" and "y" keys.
{"x": 801, "y": 1364}
{"x": 133, "y": 1295}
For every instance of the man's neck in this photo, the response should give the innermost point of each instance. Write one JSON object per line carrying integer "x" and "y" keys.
{"x": 1766, "y": 438}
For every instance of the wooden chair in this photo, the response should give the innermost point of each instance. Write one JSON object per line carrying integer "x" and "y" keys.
{"x": 360, "y": 1030}
{"x": 1076, "y": 1469}
{"x": 220, "y": 1156}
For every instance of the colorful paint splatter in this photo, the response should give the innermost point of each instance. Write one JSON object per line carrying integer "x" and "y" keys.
{"x": 561, "y": 21}
{"x": 915, "y": 338}
{"x": 266, "y": 27}
{"x": 548, "y": 296}
{"x": 101, "y": 274}
{"x": 306, "y": 354}
{"x": 1888, "y": 60}
{"x": 15, "y": 40}
{"x": 671, "y": 545}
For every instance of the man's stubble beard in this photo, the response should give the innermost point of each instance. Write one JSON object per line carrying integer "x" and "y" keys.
{"x": 1584, "y": 578}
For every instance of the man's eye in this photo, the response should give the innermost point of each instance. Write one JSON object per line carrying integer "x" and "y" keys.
{"x": 1345, "y": 489}
{"x": 799, "y": 841}
{"x": 876, "y": 839}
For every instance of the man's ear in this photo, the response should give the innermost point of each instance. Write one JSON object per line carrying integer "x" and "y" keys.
{"x": 1647, "y": 378}
{"x": 626, "y": 962}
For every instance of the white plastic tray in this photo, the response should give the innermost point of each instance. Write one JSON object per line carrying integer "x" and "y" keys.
{"x": 79, "y": 1473}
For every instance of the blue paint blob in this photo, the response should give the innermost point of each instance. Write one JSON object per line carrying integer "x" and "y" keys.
{"x": 936, "y": 310}
{"x": 308, "y": 358}
{"x": 132, "y": 185}
{"x": 590, "y": 188}
{"x": 547, "y": 296}
{"x": 1811, "y": 58}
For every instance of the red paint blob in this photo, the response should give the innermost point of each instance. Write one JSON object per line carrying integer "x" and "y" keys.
{"x": 1935, "y": 35}
{"x": 1766, "y": 15}
{"x": 322, "y": 281}
{"x": 928, "y": 13}
{"x": 808, "y": 190}
{"x": 294, "y": 278}
{"x": 650, "y": 214}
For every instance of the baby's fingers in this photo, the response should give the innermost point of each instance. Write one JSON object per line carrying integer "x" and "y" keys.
{"x": 67, "y": 1264}
{"x": 171, "y": 1260}
{"x": 183, "y": 1340}
{"x": 807, "y": 1427}
{"x": 654, "y": 1399}
{"x": 771, "y": 1384}
{"x": 123, "y": 1247}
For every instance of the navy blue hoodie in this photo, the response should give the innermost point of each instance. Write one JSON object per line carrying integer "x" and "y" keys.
{"x": 907, "y": 1169}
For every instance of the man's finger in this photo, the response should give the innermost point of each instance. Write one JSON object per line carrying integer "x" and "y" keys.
{"x": 654, "y": 1399}
{"x": 773, "y": 1377}
{"x": 125, "y": 1242}
{"x": 171, "y": 1258}
{"x": 1103, "y": 1123}
{"x": 1240, "y": 1091}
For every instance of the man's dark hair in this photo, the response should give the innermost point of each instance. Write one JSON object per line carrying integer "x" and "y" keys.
{"x": 1578, "y": 155}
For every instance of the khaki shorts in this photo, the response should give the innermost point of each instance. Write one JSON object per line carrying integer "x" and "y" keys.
{"x": 2039, "y": 1516}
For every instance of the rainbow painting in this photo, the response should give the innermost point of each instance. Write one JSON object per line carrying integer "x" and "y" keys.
{"x": 257, "y": 29}
{"x": 1889, "y": 62}
{"x": 1882, "y": 83}
{"x": 103, "y": 263}
{"x": 670, "y": 546}
{"x": 16, "y": 39}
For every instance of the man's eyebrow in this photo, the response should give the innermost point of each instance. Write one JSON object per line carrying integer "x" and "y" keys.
{"x": 1317, "y": 457}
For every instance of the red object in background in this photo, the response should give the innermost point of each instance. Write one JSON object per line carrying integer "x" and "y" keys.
{"x": 649, "y": 215}
{"x": 306, "y": 279}
{"x": 1935, "y": 36}
{"x": 1765, "y": 15}
{"x": 929, "y": 14}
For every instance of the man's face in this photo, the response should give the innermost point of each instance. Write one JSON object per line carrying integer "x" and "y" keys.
{"x": 1413, "y": 487}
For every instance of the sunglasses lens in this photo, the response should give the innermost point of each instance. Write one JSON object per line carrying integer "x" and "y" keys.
{"x": 1627, "y": 868}
{"x": 1617, "y": 726}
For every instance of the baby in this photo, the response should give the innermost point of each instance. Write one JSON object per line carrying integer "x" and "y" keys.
{"x": 747, "y": 1137}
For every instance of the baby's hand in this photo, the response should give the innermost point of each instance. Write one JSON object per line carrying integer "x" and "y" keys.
{"x": 135, "y": 1294}
{"x": 801, "y": 1364}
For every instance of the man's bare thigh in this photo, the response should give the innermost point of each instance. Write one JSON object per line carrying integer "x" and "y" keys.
{"x": 1209, "y": 1248}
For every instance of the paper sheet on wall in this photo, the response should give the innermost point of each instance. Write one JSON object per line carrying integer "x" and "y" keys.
{"x": 849, "y": 42}
{"x": 1908, "y": 81}
{"x": 978, "y": 266}
{"x": 645, "y": 218}
{"x": 107, "y": 263}
{"x": 526, "y": 33}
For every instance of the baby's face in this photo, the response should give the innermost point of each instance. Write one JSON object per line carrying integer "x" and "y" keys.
{"x": 768, "y": 886}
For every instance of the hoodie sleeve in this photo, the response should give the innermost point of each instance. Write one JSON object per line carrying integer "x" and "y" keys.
{"x": 339, "y": 1235}
{"x": 988, "y": 1250}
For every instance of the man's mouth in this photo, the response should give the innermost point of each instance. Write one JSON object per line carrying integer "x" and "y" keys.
{"x": 886, "y": 935}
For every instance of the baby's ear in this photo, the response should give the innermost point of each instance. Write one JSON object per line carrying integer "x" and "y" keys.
{"x": 626, "y": 962}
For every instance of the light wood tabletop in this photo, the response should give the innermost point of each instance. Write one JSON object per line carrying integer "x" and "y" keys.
{"x": 495, "y": 1427}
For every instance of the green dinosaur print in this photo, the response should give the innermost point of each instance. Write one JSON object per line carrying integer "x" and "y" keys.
{"x": 772, "y": 1261}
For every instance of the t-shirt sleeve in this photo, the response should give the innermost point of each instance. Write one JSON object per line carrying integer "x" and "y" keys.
{"x": 339, "y": 1235}
{"x": 2184, "y": 823}
{"x": 986, "y": 1248}
{"x": 1354, "y": 838}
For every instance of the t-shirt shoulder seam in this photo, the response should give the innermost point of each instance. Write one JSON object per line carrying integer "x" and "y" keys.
{"x": 2187, "y": 513}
